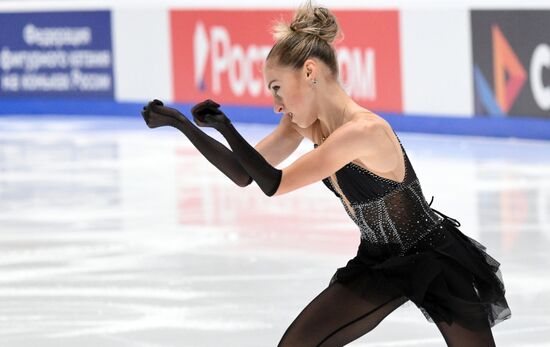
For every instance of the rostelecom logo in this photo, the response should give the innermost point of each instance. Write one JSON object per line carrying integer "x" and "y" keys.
{"x": 509, "y": 76}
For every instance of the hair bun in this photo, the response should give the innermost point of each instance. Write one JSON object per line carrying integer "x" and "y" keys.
{"x": 310, "y": 20}
{"x": 316, "y": 21}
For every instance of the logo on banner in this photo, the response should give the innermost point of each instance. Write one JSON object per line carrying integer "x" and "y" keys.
{"x": 509, "y": 76}
{"x": 226, "y": 60}
{"x": 200, "y": 50}
{"x": 518, "y": 71}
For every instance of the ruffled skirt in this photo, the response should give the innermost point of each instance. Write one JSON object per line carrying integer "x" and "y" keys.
{"x": 447, "y": 275}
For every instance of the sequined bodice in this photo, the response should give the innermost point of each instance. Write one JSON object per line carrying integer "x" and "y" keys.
{"x": 392, "y": 216}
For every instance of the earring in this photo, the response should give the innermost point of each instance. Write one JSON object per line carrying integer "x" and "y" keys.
{"x": 314, "y": 81}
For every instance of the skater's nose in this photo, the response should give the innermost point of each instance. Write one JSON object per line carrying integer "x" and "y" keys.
{"x": 278, "y": 108}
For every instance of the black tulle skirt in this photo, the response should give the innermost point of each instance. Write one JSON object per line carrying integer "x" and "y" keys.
{"x": 447, "y": 275}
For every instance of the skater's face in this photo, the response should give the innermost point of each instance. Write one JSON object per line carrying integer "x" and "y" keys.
{"x": 293, "y": 91}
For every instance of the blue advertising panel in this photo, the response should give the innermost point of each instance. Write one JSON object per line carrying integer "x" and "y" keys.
{"x": 56, "y": 54}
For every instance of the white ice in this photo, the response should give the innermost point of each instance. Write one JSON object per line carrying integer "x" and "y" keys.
{"x": 113, "y": 234}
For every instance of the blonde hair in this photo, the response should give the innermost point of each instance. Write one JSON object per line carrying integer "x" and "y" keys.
{"x": 310, "y": 34}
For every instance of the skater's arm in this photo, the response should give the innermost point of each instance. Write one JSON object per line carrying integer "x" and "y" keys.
{"x": 155, "y": 114}
{"x": 351, "y": 141}
{"x": 342, "y": 146}
{"x": 280, "y": 143}
{"x": 355, "y": 139}
{"x": 275, "y": 147}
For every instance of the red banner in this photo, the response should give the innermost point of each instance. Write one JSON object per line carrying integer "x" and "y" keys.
{"x": 220, "y": 54}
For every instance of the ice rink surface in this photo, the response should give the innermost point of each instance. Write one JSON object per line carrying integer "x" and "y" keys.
{"x": 116, "y": 235}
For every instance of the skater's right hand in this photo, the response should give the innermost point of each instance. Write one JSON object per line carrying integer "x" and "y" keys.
{"x": 156, "y": 115}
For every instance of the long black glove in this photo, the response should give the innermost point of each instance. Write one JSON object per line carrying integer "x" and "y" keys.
{"x": 208, "y": 114}
{"x": 156, "y": 115}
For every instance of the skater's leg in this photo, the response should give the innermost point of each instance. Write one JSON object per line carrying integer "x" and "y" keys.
{"x": 338, "y": 315}
{"x": 458, "y": 336}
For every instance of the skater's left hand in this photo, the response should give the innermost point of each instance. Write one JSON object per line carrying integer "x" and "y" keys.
{"x": 147, "y": 111}
{"x": 208, "y": 114}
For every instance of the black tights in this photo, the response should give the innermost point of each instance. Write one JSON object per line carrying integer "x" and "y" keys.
{"x": 338, "y": 315}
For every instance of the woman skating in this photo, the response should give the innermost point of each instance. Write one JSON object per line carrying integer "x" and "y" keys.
{"x": 408, "y": 250}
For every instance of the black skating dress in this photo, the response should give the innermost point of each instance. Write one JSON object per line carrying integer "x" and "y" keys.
{"x": 409, "y": 247}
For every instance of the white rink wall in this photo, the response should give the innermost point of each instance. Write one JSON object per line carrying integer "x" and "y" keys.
{"x": 435, "y": 48}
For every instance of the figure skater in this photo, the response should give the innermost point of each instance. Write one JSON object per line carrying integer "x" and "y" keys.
{"x": 407, "y": 251}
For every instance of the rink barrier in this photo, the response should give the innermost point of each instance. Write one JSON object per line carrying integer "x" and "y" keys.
{"x": 520, "y": 127}
{"x": 443, "y": 80}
